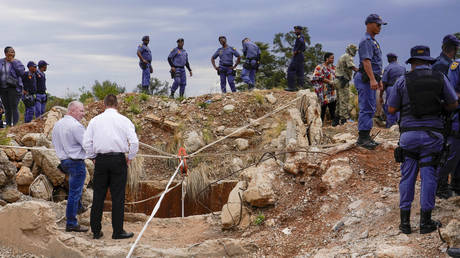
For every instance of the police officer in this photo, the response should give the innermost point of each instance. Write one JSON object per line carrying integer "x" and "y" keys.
{"x": 391, "y": 73}
{"x": 41, "y": 97}
{"x": 29, "y": 80}
{"x": 368, "y": 79}
{"x": 420, "y": 96}
{"x": 450, "y": 45}
{"x": 252, "y": 54}
{"x": 226, "y": 69}
{"x": 297, "y": 62}
{"x": 344, "y": 72}
{"x": 145, "y": 62}
{"x": 177, "y": 59}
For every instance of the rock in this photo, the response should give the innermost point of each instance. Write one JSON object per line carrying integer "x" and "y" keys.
{"x": 244, "y": 133}
{"x": 229, "y": 108}
{"x": 223, "y": 247}
{"x": 87, "y": 197}
{"x": 388, "y": 251}
{"x": 312, "y": 116}
{"x": 354, "y": 205}
{"x": 3, "y": 178}
{"x": 339, "y": 172}
{"x": 41, "y": 188}
{"x": 270, "y": 98}
{"x": 231, "y": 211}
{"x": 48, "y": 162}
{"x": 338, "y": 225}
{"x": 24, "y": 176}
{"x": 260, "y": 191}
{"x": 194, "y": 141}
{"x": 28, "y": 160}
{"x": 299, "y": 129}
{"x": 173, "y": 107}
{"x": 3, "y": 202}
{"x": 60, "y": 194}
{"x": 343, "y": 138}
{"x": 15, "y": 154}
{"x": 451, "y": 233}
{"x": 298, "y": 163}
{"x": 220, "y": 129}
{"x": 35, "y": 139}
{"x": 6, "y": 166}
{"x": 237, "y": 164}
{"x": 89, "y": 167}
{"x": 242, "y": 144}
{"x": 36, "y": 170}
{"x": 154, "y": 118}
{"x": 286, "y": 231}
{"x": 11, "y": 195}
{"x": 53, "y": 116}
{"x": 170, "y": 125}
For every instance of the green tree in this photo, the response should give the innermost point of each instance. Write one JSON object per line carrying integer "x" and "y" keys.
{"x": 85, "y": 95}
{"x": 458, "y": 52}
{"x": 100, "y": 90}
{"x": 156, "y": 87}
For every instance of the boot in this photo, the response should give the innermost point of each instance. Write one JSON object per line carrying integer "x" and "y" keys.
{"x": 250, "y": 87}
{"x": 343, "y": 121}
{"x": 364, "y": 140}
{"x": 172, "y": 95}
{"x": 290, "y": 89}
{"x": 453, "y": 252}
{"x": 335, "y": 122}
{"x": 443, "y": 190}
{"x": 405, "y": 221}
{"x": 427, "y": 225}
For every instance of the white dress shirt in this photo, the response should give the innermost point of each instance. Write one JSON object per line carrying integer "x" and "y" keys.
{"x": 110, "y": 132}
{"x": 67, "y": 138}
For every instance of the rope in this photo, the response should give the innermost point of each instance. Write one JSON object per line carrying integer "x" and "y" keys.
{"x": 155, "y": 210}
{"x": 158, "y": 150}
{"x": 153, "y": 197}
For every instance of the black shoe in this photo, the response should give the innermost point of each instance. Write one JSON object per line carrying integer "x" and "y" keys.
{"x": 291, "y": 89}
{"x": 250, "y": 87}
{"x": 98, "y": 235}
{"x": 343, "y": 121}
{"x": 171, "y": 96}
{"x": 443, "y": 191}
{"x": 364, "y": 140}
{"x": 82, "y": 210}
{"x": 335, "y": 122}
{"x": 374, "y": 142}
{"x": 453, "y": 252}
{"x": 427, "y": 225}
{"x": 123, "y": 235}
{"x": 77, "y": 228}
{"x": 405, "y": 221}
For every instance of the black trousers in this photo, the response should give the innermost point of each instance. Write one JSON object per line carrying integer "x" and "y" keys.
{"x": 10, "y": 98}
{"x": 109, "y": 172}
{"x": 331, "y": 106}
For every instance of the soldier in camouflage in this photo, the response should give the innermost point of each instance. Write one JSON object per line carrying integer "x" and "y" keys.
{"x": 344, "y": 72}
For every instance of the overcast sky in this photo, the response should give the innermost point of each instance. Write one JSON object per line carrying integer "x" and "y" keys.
{"x": 84, "y": 40}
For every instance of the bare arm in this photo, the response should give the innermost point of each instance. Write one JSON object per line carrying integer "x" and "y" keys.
{"x": 140, "y": 57}
{"x": 237, "y": 62}
{"x": 214, "y": 64}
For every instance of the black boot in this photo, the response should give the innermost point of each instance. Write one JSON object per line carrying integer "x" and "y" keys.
{"x": 250, "y": 87}
{"x": 343, "y": 121}
{"x": 364, "y": 140}
{"x": 405, "y": 221}
{"x": 443, "y": 190}
{"x": 427, "y": 225}
{"x": 172, "y": 95}
{"x": 453, "y": 252}
{"x": 335, "y": 122}
{"x": 291, "y": 89}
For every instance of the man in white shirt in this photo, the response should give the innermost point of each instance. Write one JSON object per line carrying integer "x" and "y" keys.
{"x": 108, "y": 137}
{"x": 67, "y": 139}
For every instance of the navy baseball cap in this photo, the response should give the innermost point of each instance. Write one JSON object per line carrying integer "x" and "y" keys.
{"x": 421, "y": 53}
{"x": 180, "y": 40}
{"x": 451, "y": 39}
{"x": 389, "y": 55}
{"x": 31, "y": 63}
{"x": 375, "y": 18}
{"x": 145, "y": 38}
{"x": 298, "y": 27}
{"x": 42, "y": 63}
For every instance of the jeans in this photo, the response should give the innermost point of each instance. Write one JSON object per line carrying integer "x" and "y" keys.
{"x": 77, "y": 175}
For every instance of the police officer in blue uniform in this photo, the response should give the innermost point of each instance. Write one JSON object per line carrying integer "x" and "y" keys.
{"x": 145, "y": 62}
{"x": 29, "y": 80}
{"x": 296, "y": 67}
{"x": 391, "y": 73}
{"x": 252, "y": 54}
{"x": 450, "y": 45}
{"x": 41, "y": 97}
{"x": 178, "y": 59}
{"x": 368, "y": 79}
{"x": 420, "y": 95}
{"x": 226, "y": 69}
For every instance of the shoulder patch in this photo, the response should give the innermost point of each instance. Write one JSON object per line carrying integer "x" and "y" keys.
{"x": 234, "y": 48}
{"x": 454, "y": 65}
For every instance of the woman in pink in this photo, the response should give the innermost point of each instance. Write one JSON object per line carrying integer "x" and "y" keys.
{"x": 323, "y": 81}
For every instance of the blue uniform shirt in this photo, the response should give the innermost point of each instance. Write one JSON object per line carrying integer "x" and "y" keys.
{"x": 299, "y": 45}
{"x": 145, "y": 52}
{"x": 178, "y": 56}
{"x": 399, "y": 98}
{"x": 41, "y": 82}
{"x": 392, "y": 72}
{"x": 454, "y": 75}
{"x": 442, "y": 64}
{"x": 226, "y": 55}
{"x": 369, "y": 48}
{"x": 251, "y": 50}
{"x": 30, "y": 82}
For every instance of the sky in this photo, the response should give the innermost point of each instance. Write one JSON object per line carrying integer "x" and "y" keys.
{"x": 84, "y": 40}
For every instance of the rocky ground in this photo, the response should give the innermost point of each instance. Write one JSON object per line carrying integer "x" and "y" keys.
{"x": 332, "y": 199}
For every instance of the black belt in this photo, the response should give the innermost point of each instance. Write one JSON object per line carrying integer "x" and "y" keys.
{"x": 227, "y": 65}
{"x": 75, "y": 159}
{"x": 178, "y": 66}
{"x": 38, "y": 92}
{"x": 109, "y": 154}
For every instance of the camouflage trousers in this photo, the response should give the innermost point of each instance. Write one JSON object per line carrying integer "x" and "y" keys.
{"x": 343, "y": 98}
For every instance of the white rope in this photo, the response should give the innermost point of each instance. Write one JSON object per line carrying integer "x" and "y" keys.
{"x": 155, "y": 210}
{"x": 157, "y": 150}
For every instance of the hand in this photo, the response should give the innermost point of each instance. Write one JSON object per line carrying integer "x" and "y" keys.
{"x": 173, "y": 69}
{"x": 145, "y": 61}
{"x": 381, "y": 85}
{"x": 217, "y": 68}
{"x": 24, "y": 92}
{"x": 374, "y": 84}
{"x": 190, "y": 73}
{"x": 234, "y": 67}
{"x": 151, "y": 69}
{"x": 128, "y": 161}
{"x": 294, "y": 53}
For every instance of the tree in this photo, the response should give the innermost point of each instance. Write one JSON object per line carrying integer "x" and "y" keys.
{"x": 458, "y": 52}
{"x": 85, "y": 95}
{"x": 156, "y": 87}
{"x": 100, "y": 90}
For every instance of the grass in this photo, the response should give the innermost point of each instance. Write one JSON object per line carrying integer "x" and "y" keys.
{"x": 258, "y": 98}
{"x": 259, "y": 219}
{"x": 129, "y": 99}
{"x": 134, "y": 108}
{"x": 203, "y": 105}
{"x": 3, "y": 139}
{"x": 207, "y": 135}
{"x": 143, "y": 97}
{"x": 180, "y": 99}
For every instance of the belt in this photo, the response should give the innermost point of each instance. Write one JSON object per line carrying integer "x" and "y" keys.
{"x": 38, "y": 92}
{"x": 109, "y": 154}
{"x": 74, "y": 159}
{"x": 227, "y": 65}
{"x": 178, "y": 66}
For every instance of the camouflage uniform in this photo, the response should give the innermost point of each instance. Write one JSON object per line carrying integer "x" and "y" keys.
{"x": 344, "y": 74}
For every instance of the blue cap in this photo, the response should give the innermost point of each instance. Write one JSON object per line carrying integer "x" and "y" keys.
{"x": 375, "y": 18}
{"x": 31, "y": 63}
{"x": 451, "y": 39}
{"x": 145, "y": 38}
{"x": 421, "y": 53}
{"x": 389, "y": 55}
{"x": 42, "y": 63}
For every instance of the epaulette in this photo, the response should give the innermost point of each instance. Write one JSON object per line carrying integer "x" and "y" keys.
{"x": 454, "y": 65}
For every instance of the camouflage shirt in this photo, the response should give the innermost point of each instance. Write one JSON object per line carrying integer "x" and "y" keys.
{"x": 344, "y": 66}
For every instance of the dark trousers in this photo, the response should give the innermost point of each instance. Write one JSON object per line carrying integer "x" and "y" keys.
{"x": 109, "y": 172}
{"x": 10, "y": 98}
{"x": 296, "y": 69}
{"x": 331, "y": 107}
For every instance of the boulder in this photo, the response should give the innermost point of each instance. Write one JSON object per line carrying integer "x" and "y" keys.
{"x": 242, "y": 144}
{"x": 298, "y": 128}
{"x": 229, "y": 108}
{"x": 244, "y": 133}
{"x": 312, "y": 116}
{"x": 36, "y": 139}
{"x": 451, "y": 233}
{"x": 390, "y": 251}
{"x": 24, "y": 176}
{"x": 237, "y": 164}
{"x": 48, "y": 162}
{"x": 41, "y": 188}
{"x": 343, "y": 138}
{"x": 15, "y": 154}
{"x": 28, "y": 160}
{"x": 89, "y": 168}
{"x": 260, "y": 191}
{"x": 270, "y": 98}
{"x": 3, "y": 178}
{"x": 11, "y": 194}
{"x": 53, "y": 116}
{"x": 87, "y": 197}
{"x": 232, "y": 210}
{"x": 339, "y": 172}
{"x": 6, "y": 165}
{"x": 194, "y": 141}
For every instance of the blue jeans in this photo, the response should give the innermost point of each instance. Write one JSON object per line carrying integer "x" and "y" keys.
{"x": 77, "y": 175}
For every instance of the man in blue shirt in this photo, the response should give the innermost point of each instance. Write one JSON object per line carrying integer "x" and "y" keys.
{"x": 177, "y": 59}
{"x": 420, "y": 96}
{"x": 368, "y": 79}
{"x": 29, "y": 80}
{"x": 41, "y": 97}
{"x": 296, "y": 67}
{"x": 226, "y": 69}
{"x": 391, "y": 73}
{"x": 145, "y": 62}
{"x": 67, "y": 139}
{"x": 252, "y": 54}
{"x": 450, "y": 45}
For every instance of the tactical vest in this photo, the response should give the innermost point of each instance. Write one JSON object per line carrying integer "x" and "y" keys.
{"x": 424, "y": 87}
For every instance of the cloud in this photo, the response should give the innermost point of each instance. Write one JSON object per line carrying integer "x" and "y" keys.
{"x": 87, "y": 36}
